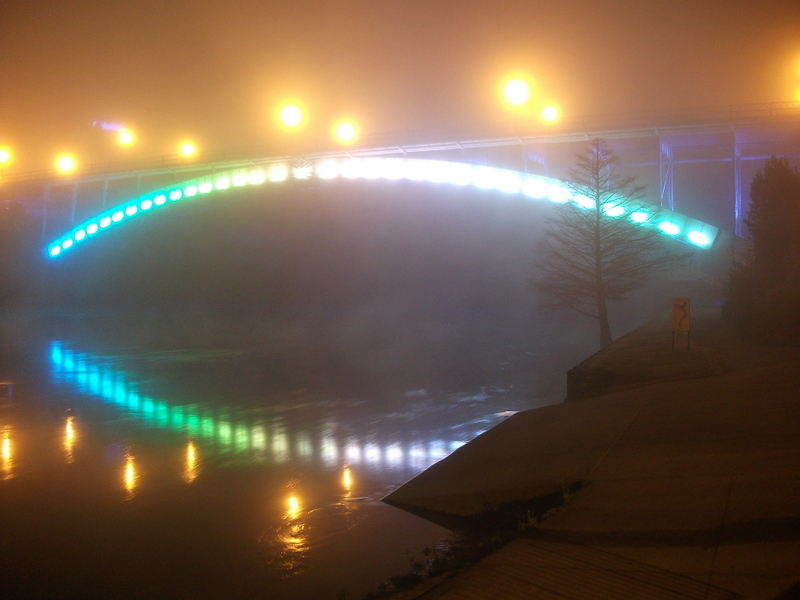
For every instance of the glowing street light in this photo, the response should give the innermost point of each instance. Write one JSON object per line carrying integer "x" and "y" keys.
{"x": 66, "y": 164}
{"x": 187, "y": 149}
{"x": 291, "y": 116}
{"x": 345, "y": 131}
{"x": 126, "y": 138}
{"x": 550, "y": 113}
{"x": 517, "y": 91}
{"x": 5, "y": 156}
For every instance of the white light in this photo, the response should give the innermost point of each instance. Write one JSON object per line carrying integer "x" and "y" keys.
{"x": 459, "y": 173}
{"x": 131, "y": 210}
{"x": 351, "y": 168}
{"x": 190, "y": 190}
{"x": 105, "y": 222}
{"x": 393, "y": 168}
{"x": 146, "y": 204}
{"x": 205, "y": 187}
{"x": 118, "y": 216}
{"x": 80, "y": 234}
{"x": 257, "y": 177}
{"x": 159, "y": 200}
{"x": 240, "y": 179}
{"x": 302, "y": 173}
{"x": 534, "y": 187}
{"x": 584, "y": 201}
{"x": 696, "y": 237}
{"x": 485, "y": 178}
{"x": 223, "y": 183}
{"x": 92, "y": 228}
{"x": 639, "y": 217}
{"x": 327, "y": 169}
{"x": 371, "y": 168}
{"x": 613, "y": 210}
{"x": 669, "y": 228}
{"x": 509, "y": 182}
{"x": 67, "y": 244}
{"x": 558, "y": 193}
{"x": 55, "y": 250}
{"x": 278, "y": 173}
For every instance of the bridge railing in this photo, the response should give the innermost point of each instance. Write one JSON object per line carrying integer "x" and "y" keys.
{"x": 431, "y": 139}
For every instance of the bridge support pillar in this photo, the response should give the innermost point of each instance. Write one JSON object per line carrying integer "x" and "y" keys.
{"x": 45, "y": 199}
{"x": 105, "y": 192}
{"x": 74, "y": 202}
{"x": 666, "y": 175}
{"x": 737, "y": 187}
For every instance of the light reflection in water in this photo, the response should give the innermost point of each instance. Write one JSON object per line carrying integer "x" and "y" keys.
{"x": 130, "y": 477}
{"x": 8, "y": 457}
{"x": 69, "y": 439}
{"x": 292, "y": 537}
{"x": 191, "y": 468}
{"x": 347, "y": 480}
{"x": 265, "y": 440}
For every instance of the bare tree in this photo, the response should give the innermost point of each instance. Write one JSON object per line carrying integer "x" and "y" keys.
{"x": 603, "y": 243}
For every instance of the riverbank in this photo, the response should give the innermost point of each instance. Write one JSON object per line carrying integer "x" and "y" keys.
{"x": 691, "y": 466}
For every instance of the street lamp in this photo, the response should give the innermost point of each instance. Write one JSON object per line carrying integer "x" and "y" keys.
{"x": 5, "y": 158}
{"x": 517, "y": 91}
{"x": 345, "y": 131}
{"x": 66, "y": 163}
{"x": 291, "y": 116}
{"x": 550, "y": 113}
{"x": 126, "y": 138}
{"x": 187, "y": 149}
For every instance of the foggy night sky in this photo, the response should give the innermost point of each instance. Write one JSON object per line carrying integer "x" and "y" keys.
{"x": 213, "y": 70}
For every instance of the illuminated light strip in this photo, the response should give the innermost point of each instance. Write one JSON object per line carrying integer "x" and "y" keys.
{"x": 506, "y": 181}
{"x": 90, "y": 375}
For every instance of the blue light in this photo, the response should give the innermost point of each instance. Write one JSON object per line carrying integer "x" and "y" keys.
{"x": 423, "y": 170}
{"x": 698, "y": 238}
{"x": 669, "y": 228}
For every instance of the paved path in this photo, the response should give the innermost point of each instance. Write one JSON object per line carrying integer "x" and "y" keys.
{"x": 694, "y": 486}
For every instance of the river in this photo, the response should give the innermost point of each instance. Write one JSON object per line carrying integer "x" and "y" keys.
{"x": 138, "y": 468}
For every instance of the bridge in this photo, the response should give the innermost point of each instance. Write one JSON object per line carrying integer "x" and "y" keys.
{"x": 665, "y": 152}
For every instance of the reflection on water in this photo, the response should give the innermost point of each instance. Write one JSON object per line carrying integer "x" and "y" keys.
{"x": 347, "y": 480}
{"x": 291, "y": 485}
{"x": 69, "y": 439}
{"x": 8, "y": 458}
{"x": 130, "y": 476}
{"x": 257, "y": 440}
{"x": 191, "y": 468}
{"x": 293, "y": 538}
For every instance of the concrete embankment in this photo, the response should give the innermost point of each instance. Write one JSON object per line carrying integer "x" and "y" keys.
{"x": 692, "y": 471}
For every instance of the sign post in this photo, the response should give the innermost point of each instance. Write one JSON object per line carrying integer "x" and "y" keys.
{"x": 681, "y": 319}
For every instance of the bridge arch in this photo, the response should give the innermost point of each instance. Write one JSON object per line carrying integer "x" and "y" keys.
{"x": 504, "y": 181}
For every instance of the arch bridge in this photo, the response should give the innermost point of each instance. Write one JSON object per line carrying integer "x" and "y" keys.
{"x": 696, "y": 162}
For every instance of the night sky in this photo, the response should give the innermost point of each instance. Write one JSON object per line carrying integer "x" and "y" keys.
{"x": 213, "y": 71}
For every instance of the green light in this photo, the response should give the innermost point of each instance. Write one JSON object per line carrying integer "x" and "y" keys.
{"x": 669, "y": 228}
{"x": 224, "y": 432}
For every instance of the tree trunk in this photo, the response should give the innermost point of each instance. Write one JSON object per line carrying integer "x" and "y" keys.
{"x": 605, "y": 327}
